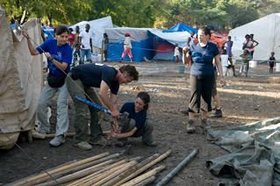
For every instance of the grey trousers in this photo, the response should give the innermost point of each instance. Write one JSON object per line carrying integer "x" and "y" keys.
{"x": 146, "y": 133}
{"x": 81, "y": 119}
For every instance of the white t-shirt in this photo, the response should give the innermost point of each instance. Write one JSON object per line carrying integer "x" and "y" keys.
{"x": 85, "y": 39}
{"x": 127, "y": 42}
{"x": 176, "y": 51}
{"x": 224, "y": 60}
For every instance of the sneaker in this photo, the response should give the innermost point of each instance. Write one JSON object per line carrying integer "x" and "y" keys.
{"x": 83, "y": 145}
{"x": 57, "y": 141}
{"x": 190, "y": 127}
{"x": 152, "y": 144}
{"x": 101, "y": 142}
{"x": 218, "y": 113}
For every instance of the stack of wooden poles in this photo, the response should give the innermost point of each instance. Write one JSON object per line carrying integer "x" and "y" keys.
{"x": 103, "y": 169}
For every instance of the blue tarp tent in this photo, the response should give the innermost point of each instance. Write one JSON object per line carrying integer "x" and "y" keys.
{"x": 141, "y": 40}
{"x": 181, "y": 27}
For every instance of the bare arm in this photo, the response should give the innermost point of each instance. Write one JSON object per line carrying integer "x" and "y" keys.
{"x": 110, "y": 102}
{"x": 220, "y": 69}
{"x": 125, "y": 134}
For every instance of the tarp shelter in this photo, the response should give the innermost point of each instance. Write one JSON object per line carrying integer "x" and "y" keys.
{"x": 48, "y": 32}
{"x": 20, "y": 82}
{"x": 97, "y": 28}
{"x": 181, "y": 27}
{"x": 165, "y": 40}
{"x": 141, "y": 40}
{"x": 266, "y": 32}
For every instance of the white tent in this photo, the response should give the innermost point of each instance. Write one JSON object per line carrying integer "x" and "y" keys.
{"x": 97, "y": 27}
{"x": 266, "y": 32}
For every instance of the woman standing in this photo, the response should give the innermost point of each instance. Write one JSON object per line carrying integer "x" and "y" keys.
{"x": 202, "y": 77}
{"x": 59, "y": 55}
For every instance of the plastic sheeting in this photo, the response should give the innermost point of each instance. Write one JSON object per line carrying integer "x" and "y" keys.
{"x": 21, "y": 77}
{"x": 141, "y": 40}
{"x": 254, "y": 157}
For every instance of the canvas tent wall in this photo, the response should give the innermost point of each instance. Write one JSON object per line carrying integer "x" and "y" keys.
{"x": 20, "y": 82}
{"x": 141, "y": 42}
{"x": 97, "y": 28}
{"x": 266, "y": 32}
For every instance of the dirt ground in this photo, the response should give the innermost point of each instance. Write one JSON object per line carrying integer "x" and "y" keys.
{"x": 243, "y": 99}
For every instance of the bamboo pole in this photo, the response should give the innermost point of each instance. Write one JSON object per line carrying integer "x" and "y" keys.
{"x": 79, "y": 181}
{"x": 105, "y": 174}
{"x": 115, "y": 173}
{"x": 77, "y": 175}
{"x": 41, "y": 177}
{"x": 142, "y": 177}
{"x": 169, "y": 176}
{"x": 130, "y": 171}
{"x": 146, "y": 181}
{"x": 142, "y": 169}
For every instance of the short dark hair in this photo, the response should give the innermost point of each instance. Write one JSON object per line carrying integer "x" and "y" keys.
{"x": 130, "y": 70}
{"x": 206, "y": 30}
{"x": 61, "y": 29}
{"x": 145, "y": 97}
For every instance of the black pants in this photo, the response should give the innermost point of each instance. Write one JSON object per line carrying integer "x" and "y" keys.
{"x": 201, "y": 93}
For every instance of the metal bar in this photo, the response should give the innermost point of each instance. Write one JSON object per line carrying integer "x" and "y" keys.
{"x": 170, "y": 175}
{"x": 94, "y": 105}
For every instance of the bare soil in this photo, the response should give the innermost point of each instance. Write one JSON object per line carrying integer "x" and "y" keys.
{"x": 244, "y": 100}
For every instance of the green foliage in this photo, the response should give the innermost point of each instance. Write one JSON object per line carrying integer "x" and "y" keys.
{"x": 220, "y": 14}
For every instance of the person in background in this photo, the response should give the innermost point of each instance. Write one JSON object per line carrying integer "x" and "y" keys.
{"x": 135, "y": 122}
{"x": 86, "y": 44}
{"x": 228, "y": 47}
{"x": 71, "y": 38}
{"x": 77, "y": 46}
{"x": 105, "y": 42}
{"x": 202, "y": 77}
{"x": 246, "y": 56}
{"x": 80, "y": 82}
{"x": 59, "y": 56}
{"x": 176, "y": 53}
{"x": 271, "y": 62}
{"x": 127, "y": 47}
{"x": 255, "y": 43}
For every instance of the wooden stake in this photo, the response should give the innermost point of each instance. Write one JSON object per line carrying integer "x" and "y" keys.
{"x": 41, "y": 177}
{"x": 144, "y": 168}
{"x": 79, "y": 181}
{"x": 130, "y": 171}
{"x": 146, "y": 181}
{"x": 77, "y": 175}
{"x": 141, "y": 178}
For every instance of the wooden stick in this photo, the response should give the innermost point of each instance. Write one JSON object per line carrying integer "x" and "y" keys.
{"x": 77, "y": 175}
{"x": 146, "y": 181}
{"x": 41, "y": 177}
{"x": 114, "y": 174}
{"x": 105, "y": 174}
{"x": 169, "y": 176}
{"x": 79, "y": 181}
{"x": 141, "y": 178}
{"x": 130, "y": 171}
{"x": 144, "y": 168}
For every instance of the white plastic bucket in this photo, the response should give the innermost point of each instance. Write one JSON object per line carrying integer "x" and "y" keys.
{"x": 277, "y": 67}
{"x": 253, "y": 64}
